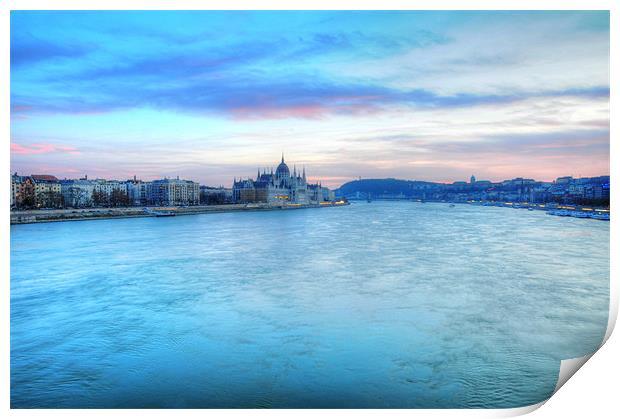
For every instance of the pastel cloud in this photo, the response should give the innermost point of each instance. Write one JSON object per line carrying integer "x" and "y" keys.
{"x": 41, "y": 149}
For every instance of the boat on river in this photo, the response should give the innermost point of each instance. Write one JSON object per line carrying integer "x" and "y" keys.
{"x": 159, "y": 213}
{"x": 603, "y": 216}
{"x": 560, "y": 213}
{"x": 580, "y": 214}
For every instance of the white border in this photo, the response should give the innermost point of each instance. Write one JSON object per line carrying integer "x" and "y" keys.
{"x": 593, "y": 392}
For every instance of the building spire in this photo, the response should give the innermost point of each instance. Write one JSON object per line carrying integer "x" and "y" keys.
{"x": 282, "y": 157}
{"x": 304, "y": 175}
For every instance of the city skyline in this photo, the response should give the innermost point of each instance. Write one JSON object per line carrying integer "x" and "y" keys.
{"x": 434, "y": 96}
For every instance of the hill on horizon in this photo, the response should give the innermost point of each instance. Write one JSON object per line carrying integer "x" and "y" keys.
{"x": 382, "y": 186}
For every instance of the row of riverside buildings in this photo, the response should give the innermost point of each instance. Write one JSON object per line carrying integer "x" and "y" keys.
{"x": 47, "y": 191}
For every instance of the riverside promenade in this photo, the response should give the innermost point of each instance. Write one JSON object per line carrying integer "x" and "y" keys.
{"x": 52, "y": 215}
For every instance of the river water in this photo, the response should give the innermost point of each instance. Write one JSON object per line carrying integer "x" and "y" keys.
{"x": 387, "y": 304}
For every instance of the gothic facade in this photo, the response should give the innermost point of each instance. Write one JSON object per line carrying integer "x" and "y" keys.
{"x": 279, "y": 187}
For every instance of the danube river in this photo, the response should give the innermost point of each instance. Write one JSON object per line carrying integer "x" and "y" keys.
{"x": 387, "y": 304}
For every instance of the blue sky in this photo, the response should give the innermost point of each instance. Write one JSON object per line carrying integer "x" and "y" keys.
{"x": 211, "y": 95}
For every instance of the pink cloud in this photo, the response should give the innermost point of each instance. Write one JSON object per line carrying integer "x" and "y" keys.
{"x": 42, "y": 148}
{"x": 302, "y": 111}
{"x": 313, "y": 111}
{"x": 20, "y": 108}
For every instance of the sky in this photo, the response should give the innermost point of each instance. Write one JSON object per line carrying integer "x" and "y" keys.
{"x": 208, "y": 96}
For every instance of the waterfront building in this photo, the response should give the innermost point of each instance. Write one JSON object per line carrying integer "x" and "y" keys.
{"x": 279, "y": 187}
{"x": 35, "y": 191}
{"x": 318, "y": 193}
{"x": 77, "y": 193}
{"x": 328, "y": 194}
{"x": 314, "y": 192}
{"x": 137, "y": 192}
{"x": 47, "y": 191}
{"x": 173, "y": 192}
{"x": 22, "y": 191}
{"x": 107, "y": 187}
{"x": 15, "y": 188}
{"x": 12, "y": 193}
{"x": 215, "y": 196}
{"x": 605, "y": 191}
{"x": 110, "y": 193}
{"x": 244, "y": 191}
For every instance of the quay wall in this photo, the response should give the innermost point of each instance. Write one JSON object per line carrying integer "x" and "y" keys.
{"x": 44, "y": 216}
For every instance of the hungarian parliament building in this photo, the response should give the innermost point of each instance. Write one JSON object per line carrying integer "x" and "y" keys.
{"x": 280, "y": 187}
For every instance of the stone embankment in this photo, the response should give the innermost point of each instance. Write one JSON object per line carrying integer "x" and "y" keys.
{"x": 44, "y": 216}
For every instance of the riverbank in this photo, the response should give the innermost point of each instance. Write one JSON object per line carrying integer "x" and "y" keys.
{"x": 577, "y": 211}
{"x": 55, "y": 215}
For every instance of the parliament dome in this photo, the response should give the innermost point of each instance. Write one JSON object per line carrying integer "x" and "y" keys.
{"x": 282, "y": 170}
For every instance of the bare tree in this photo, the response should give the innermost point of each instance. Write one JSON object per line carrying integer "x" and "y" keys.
{"x": 50, "y": 199}
{"x": 100, "y": 198}
{"x": 119, "y": 198}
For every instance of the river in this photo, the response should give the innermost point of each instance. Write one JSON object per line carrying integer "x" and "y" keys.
{"x": 382, "y": 304}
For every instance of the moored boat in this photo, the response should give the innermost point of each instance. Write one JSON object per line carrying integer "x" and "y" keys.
{"x": 580, "y": 214}
{"x": 603, "y": 216}
{"x": 158, "y": 213}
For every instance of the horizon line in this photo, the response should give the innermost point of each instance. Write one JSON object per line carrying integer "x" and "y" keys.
{"x": 317, "y": 179}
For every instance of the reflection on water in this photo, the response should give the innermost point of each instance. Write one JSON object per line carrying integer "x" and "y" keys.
{"x": 373, "y": 305}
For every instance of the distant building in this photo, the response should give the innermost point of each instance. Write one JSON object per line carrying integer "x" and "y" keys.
{"x": 459, "y": 186}
{"x": 279, "y": 187}
{"x": 472, "y": 179}
{"x": 12, "y": 192}
{"x": 47, "y": 191}
{"x": 314, "y": 193}
{"x": 110, "y": 193}
{"x": 137, "y": 192}
{"x": 564, "y": 180}
{"x": 328, "y": 194}
{"x": 108, "y": 186}
{"x": 481, "y": 185}
{"x": 171, "y": 192}
{"x": 15, "y": 188}
{"x": 77, "y": 193}
{"x": 215, "y": 196}
{"x": 22, "y": 191}
{"x": 35, "y": 191}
